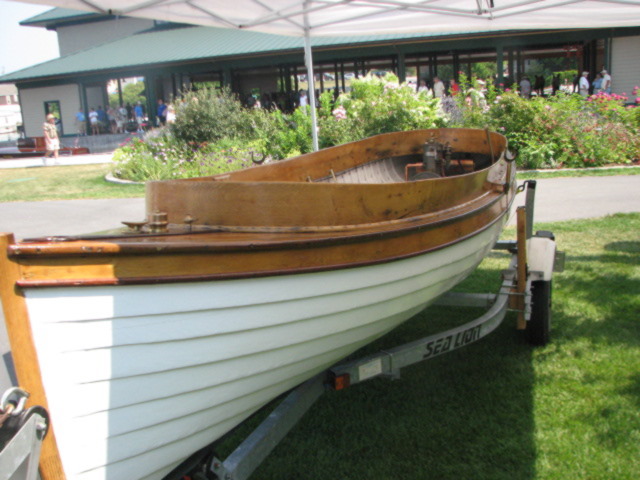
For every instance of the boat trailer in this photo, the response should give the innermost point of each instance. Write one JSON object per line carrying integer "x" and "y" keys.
{"x": 526, "y": 289}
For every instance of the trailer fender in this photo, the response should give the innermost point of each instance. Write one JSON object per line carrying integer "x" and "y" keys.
{"x": 541, "y": 253}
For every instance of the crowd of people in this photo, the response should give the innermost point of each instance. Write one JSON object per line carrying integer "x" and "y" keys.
{"x": 110, "y": 120}
{"x": 129, "y": 118}
{"x": 121, "y": 119}
{"x": 283, "y": 101}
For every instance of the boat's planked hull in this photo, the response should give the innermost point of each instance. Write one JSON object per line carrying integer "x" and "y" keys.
{"x": 166, "y": 340}
{"x": 127, "y": 391}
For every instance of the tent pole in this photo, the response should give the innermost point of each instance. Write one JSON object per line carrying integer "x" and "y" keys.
{"x": 312, "y": 88}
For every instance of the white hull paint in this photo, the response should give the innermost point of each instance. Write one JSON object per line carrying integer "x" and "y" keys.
{"x": 139, "y": 377}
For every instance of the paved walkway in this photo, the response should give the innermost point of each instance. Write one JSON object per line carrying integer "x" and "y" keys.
{"x": 29, "y": 162}
{"x": 567, "y": 198}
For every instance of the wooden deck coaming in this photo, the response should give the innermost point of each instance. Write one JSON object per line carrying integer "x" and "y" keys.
{"x": 295, "y": 192}
{"x": 82, "y": 263}
{"x": 303, "y": 204}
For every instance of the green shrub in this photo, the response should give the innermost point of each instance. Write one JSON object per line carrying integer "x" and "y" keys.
{"x": 382, "y": 105}
{"x": 162, "y": 157}
{"x": 213, "y": 133}
{"x": 566, "y": 130}
{"x": 208, "y": 115}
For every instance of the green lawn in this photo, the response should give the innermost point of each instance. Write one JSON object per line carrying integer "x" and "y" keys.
{"x": 586, "y": 172}
{"x": 499, "y": 409}
{"x": 62, "y": 183}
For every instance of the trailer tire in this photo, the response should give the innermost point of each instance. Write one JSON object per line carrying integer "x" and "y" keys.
{"x": 539, "y": 325}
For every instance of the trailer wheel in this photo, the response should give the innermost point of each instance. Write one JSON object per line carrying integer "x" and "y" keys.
{"x": 539, "y": 325}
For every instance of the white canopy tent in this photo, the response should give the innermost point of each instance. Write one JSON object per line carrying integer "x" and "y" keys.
{"x": 353, "y": 17}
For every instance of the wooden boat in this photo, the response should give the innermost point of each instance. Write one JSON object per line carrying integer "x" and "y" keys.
{"x": 150, "y": 344}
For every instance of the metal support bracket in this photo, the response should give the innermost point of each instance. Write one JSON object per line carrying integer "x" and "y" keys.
{"x": 19, "y": 458}
{"x": 389, "y": 362}
{"x": 257, "y": 446}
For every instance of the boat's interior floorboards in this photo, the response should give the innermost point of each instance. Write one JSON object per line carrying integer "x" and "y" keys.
{"x": 386, "y": 170}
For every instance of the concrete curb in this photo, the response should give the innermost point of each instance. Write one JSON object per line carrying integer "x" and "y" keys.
{"x": 110, "y": 178}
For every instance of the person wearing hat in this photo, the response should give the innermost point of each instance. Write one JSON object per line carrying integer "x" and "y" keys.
{"x": 51, "y": 139}
{"x": 606, "y": 82}
{"x": 583, "y": 84}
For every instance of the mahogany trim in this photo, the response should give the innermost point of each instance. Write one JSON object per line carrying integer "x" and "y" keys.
{"x": 163, "y": 279}
{"x": 24, "y": 354}
{"x": 276, "y": 240}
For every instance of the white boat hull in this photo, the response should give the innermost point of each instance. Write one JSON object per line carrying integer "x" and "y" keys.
{"x": 139, "y": 377}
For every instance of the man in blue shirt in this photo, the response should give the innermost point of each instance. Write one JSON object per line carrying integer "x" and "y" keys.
{"x": 81, "y": 123}
{"x": 162, "y": 112}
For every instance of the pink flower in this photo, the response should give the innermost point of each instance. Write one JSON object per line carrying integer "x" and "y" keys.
{"x": 339, "y": 113}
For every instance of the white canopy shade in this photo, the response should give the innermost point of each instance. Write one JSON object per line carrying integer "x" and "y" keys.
{"x": 359, "y": 17}
{"x": 354, "y": 17}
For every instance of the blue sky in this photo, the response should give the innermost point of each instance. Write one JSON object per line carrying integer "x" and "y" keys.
{"x": 21, "y": 47}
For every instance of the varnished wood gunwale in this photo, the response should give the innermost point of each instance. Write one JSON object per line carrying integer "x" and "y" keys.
{"x": 151, "y": 265}
{"x": 241, "y": 239}
{"x": 25, "y": 357}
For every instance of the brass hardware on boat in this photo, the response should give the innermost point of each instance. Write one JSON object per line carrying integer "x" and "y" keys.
{"x": 158, "y": 223}
{"x": 135, "y": 227}
{"x": 189, "y": 221}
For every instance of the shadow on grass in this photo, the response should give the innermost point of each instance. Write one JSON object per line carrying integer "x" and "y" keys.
{"x": 466, "y": 414}
{"x": 599, "y": 296}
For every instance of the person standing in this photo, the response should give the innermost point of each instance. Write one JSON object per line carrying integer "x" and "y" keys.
{"x": 103, "y": 120}
{"x": 81, "y": 123}
{"x": 606, "y": 82}
{"x": 303, "y": 100}
{"x": 93, "y": 120}
{"x": 161, "y": 113}
{"x": 51, "y": 139}
{"x": 583, "y": 84}
{"x": 597, "y": 84}
{"x": 170, "y": 114}
{"x": 454, "y": 88}
{"x": 139, "y": 112}
{"x": 438, "y": 87}
{"x": 525, "y": 87}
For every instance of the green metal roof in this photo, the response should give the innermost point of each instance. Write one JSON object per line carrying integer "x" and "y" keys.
{"x": 158, "y": 47}
{"x": 57, "y": 16}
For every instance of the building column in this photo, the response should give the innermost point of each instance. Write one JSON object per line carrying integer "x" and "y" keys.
{"x": 151, "y": 93}
{"x": 402, "y": 71}
{"x": 500, "y": 65}
{"x": 607, "y": 53}
{"x": 511, "y": 67}
{"x": 227, "y": 78}
{"x": 456, "y": 67}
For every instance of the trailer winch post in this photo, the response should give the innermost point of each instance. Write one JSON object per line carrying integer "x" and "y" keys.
{"x": 529, "y": 204}
{"x": 521, "y": 284}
